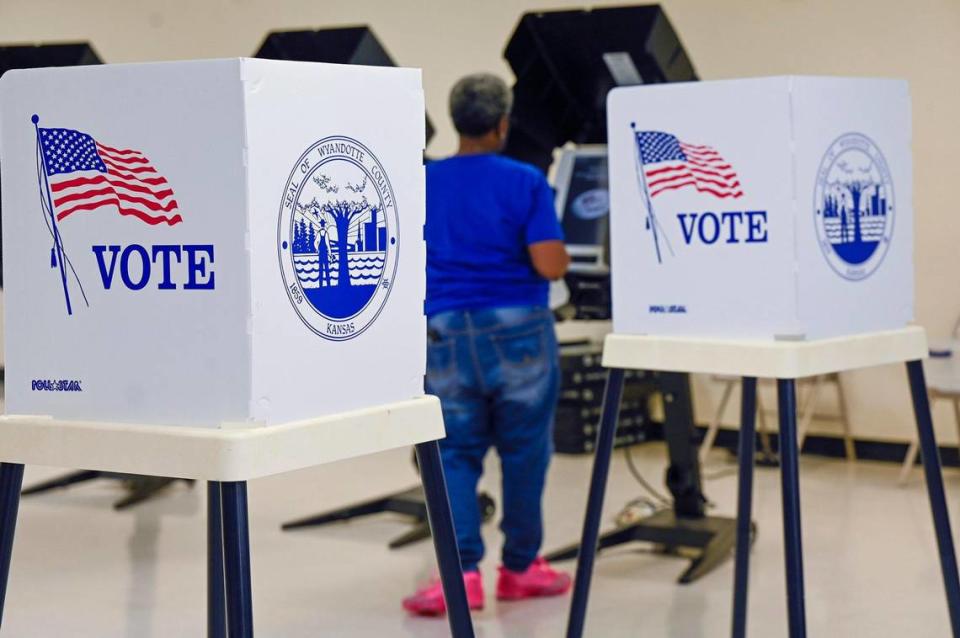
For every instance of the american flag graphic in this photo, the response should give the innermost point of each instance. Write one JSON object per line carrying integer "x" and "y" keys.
{"x": 669, "y": 164}
{"x": 85, "y": 175}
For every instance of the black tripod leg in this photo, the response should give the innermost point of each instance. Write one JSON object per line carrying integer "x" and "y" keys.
{"x": 748, "y": 413}
{"x": 11, "y": 480}
{"x": 444, "y": 539}
{"x": 790, "y": 485}
{"x": 416, "y": 533}
{"x": 236, "y": 559}
{"x": 143, "y": 488}
{"x": 714, "y": 553}
{"x": 344, "y": 513}
{"x": 216, "y": 601}
{"x": 938, "y": 501}
{"x": 598, "y": 487}
{"x": 62, "y": 481}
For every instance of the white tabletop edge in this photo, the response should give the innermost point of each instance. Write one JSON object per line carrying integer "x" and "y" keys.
{"x": 764, "y": 358}
{"x": 218, "y": 454}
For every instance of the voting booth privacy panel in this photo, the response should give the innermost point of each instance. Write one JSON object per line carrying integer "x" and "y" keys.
{"x": 213, "y": 242}
{"x": 775, "y": 207}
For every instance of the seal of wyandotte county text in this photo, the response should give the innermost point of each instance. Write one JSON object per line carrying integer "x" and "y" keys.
{"x": 854, "y": 206}
{"x": 338, "y": 237}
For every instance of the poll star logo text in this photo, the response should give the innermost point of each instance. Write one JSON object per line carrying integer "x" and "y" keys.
{"x": 338, "y": 237}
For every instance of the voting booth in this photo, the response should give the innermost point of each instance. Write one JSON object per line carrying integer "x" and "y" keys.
{"x": 233, "y": 241}
{"x": 216, "y": 270}
{"x": 763, "y": 229}
{"x": 772, "y": 207}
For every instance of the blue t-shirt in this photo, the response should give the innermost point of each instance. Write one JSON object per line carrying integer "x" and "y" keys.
{"x": 482, "y": 213}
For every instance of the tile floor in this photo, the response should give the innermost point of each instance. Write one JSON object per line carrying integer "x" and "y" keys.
{"x": 83, "y": 570}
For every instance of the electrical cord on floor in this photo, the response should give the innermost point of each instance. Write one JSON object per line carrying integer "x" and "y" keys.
{"x": 658, "y": 496}
{"x": 659, "y": 500}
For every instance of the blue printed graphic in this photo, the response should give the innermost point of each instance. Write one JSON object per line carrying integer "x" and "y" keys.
{"x": 854, "y": 206}
{"x": 338, "y": 238}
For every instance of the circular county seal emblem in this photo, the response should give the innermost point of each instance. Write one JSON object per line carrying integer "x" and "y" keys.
{"x": 338, "y": 237}
{"x": 854, "y": 206}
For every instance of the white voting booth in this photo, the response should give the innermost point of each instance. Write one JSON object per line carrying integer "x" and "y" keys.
{"x": 763, "y": 228}
{"x": 180, "y": 280}
{"x": 774, "y": 207}
{"x": 215, "y": 270}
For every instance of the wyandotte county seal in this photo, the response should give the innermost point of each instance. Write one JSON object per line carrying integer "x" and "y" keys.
{"x": 338, "y": 237}
{"x": 854, "y": 206}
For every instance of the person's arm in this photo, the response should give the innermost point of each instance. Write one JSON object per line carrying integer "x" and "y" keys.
{"x": 543, "y": 234}
{"x": 550, "y": 258}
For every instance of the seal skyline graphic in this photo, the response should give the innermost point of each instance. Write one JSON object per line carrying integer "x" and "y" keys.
{"x": 338, "y": 237}
{"x": 854, "y": 206}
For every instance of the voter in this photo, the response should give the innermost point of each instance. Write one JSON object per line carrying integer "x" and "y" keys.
{"x": 493, "y": 243}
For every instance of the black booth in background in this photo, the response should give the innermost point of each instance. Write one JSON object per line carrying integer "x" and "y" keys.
{"x": 565, "y": 63}
{"x": 340, "y": 45}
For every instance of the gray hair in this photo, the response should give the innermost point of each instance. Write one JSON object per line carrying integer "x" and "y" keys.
{"x": 478, "y": 102}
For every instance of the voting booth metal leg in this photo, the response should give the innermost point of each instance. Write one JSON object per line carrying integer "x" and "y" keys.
{"x": 748, "y": 415}
{"x": 938, "y": 502}
{"x": 444, "y": 539}
{"x": 216, "y": 600}
{"x": 790, "y": 487}
{"x": 11, "y": 480}
{"x": 236, "y": 559}
{"x": 598, "y": 486}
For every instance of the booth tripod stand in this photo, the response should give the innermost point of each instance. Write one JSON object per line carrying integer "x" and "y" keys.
{"x": 685, "y": 526}
{"x": 139, "y": 488}
{"x": 410, "y": 502}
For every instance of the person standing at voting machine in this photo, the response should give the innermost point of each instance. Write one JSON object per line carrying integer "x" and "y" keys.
{"x": 493, "y": 243}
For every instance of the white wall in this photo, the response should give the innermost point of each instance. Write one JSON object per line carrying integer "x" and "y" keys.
{"x": 918, "y": 40}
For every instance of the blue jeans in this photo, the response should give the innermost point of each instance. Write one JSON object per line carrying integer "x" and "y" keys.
{"x": 496, "y": 372}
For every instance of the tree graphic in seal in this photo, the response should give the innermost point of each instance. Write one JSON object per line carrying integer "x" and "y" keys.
{"x": 338, "y": 237}
{"x": 854, "y": 207}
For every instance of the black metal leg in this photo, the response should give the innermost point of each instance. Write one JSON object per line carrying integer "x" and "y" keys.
{"x": 216, "y": 603}
{"x": 444, "y": 539}
{"x": 236, "y": 559}
{"x": 748, "y": 414}
{"x": 11, "y": 480}
{"x": 598, "y": 487}
{"x": 790, "y": 486}
{"x": 938, "y": 502}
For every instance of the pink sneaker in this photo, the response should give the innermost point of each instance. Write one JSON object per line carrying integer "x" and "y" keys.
{"x": 429, "y": 601}
{"x": 539, "y": 580}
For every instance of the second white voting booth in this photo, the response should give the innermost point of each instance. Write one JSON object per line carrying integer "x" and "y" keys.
{"x": 216, "y": 270}
{"x": 762, "y": 208}
{"x": 762, "y": 228}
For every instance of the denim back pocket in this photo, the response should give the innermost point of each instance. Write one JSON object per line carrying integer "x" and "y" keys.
{"x": 525, "y": 350}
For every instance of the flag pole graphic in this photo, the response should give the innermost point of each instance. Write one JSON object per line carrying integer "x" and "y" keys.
{"x": 641, "y": 176}
{"x": 45, "y": 192}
